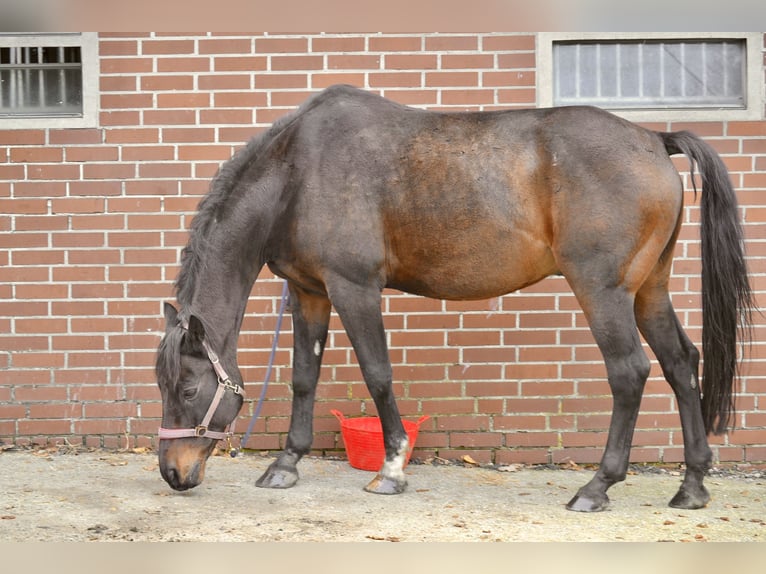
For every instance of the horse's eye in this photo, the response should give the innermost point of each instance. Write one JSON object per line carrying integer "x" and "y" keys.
{"x": 189, "y": 391}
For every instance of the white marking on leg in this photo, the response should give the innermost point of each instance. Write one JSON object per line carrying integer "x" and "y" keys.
{"x": 317, "y": 348}
{"x": 693, "y": 382}
{"x": 394, "y": 468}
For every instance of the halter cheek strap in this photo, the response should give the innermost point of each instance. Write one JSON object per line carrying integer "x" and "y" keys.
{"x": 224, "y": 382}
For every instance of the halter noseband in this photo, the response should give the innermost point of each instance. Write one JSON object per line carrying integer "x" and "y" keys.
{"x": 224, "y": 382}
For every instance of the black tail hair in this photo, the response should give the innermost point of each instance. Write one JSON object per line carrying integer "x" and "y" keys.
{"x": 727, "y": 300}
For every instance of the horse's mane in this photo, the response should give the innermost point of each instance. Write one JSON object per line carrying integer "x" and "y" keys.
{"x": 168, "y": 365}
{"x": 212, "y": 205}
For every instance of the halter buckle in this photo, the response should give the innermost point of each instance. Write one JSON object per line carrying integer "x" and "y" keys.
{"x": 200, "y": 430}
{"x": 235, "y": 388}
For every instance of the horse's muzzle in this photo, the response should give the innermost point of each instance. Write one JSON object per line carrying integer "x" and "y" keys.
{"x": 181, "y": 466}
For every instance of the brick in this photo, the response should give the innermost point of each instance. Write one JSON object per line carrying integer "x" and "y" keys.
{"x": 240, "y": 64}
{"x": 38, "y": 257}
{"x": 467, "y": 61}
{"x": 155, "y": 47}
{"x": 79, "y": 273}
{"x": 751, "y": 128}
{"x": 290, "y": 63}
{"x": 160, "y": 170}
{"x": 353, "y": 62}
{"x": 345, "y": 44}
{"x": 34, "y": 326}
{"x": 80, "y": 368}
{"x": 280, "y": 81}
{"x": 148, "y": 153}
{"x": 185, "y": 64}
{"x": 219, "y": 116}
{"x": 225, "y": 46}
{"x": 320, "y": 80}
{"x": 55, "y": 411}
{"x": 78, "y": 205}
{"x": 511, "y": 61}
{"x": 120, "y": 118}
{"x": 151, "y": 187}
{"x": 451, "y": 43}
{"x": 248, "y": 99}
{"x": 166, "y": 83}
{"x": 22, "y": 137}
{"x": 508, "y": 43}
{"x": 132, "y": 135}
{"x": 410, "y": 62}
{"x": 25, "y": 377}
{"x": 102, "y": 171}
{"x": 89, "y": 222}
{"x": 475, "y": 440}
{"x": 100, "y": 427}
{"x": 526, "y": 78}
{"x": 281, "y": 45}
{"x": 395, "y": 80}
{"x": 81, "y": 239}
{"x": 126, "y": 101}
{"x": 451, "y": 79}
{"x": 36, "y": 155}
{"x": 43, "y": 427}
{"x": 188, "y": 135}
{"x": 92, "y": 153}
{"x": 41, "y": 291}
{"x": 395, "y": 44}
{"x": 516, "y": 96}
{"x": 23, "y": 240}
{"x": 118, "y": 48}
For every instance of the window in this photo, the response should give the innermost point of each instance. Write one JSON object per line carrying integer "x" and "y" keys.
{"x": 654, "y": 77}
{"x": 48, "y": 80}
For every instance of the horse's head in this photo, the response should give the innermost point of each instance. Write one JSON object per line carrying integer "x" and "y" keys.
{"x": 197, "y": 403}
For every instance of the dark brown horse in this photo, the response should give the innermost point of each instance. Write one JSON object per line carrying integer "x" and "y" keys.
{"x": 353, "y": 193}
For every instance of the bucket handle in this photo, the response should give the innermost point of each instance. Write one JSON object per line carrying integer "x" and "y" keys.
{"x": 422, "y": 419}
{"x": 339, "y": 415}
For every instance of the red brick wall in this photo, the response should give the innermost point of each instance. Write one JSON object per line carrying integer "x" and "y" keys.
{"x": 92, "y": 222}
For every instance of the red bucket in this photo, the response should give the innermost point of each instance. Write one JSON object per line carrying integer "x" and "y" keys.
{"x": 363, "y": 437}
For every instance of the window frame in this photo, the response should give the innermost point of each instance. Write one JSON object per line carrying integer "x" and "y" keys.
{"x": 754, "y": 70}
{"x": 88, "y": 43}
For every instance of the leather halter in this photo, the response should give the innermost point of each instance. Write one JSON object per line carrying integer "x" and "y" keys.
{"x": 224, "y": 382}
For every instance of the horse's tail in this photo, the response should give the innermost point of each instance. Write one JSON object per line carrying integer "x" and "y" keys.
{"x": 727, "y": 301}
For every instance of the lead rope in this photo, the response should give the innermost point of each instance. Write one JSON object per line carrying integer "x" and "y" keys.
{"x": 283, "y": 304}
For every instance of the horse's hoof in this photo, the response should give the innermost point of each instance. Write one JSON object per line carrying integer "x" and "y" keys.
{"x": 384, "y": 485}
{"x": 582, "y": 503}
{"x": 277, "y": 478}
{"x": 690, "y": 500}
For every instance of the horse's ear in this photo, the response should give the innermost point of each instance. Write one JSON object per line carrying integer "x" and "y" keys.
{"x": 196, "y": 331}
{"x": 171, "y": 316}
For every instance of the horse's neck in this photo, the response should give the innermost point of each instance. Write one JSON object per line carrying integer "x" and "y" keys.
{"x": 220, "y": 297}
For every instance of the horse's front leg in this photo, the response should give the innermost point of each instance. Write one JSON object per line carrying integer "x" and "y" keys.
{"x": 311, "y": 317}
{"x": 359, "y": 309}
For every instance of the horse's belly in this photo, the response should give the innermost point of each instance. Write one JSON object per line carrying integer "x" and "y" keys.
{"x": 484, "y": 274}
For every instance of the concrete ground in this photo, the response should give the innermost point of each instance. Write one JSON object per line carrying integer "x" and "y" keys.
{"x": 106, "y": 495}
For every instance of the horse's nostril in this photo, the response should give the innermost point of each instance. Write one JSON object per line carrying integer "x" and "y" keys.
{"x": 170, "y": 474}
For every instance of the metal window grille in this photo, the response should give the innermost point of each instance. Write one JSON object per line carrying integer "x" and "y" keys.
{"x": 41, "y": 81}
{"x": 651, "y": 74}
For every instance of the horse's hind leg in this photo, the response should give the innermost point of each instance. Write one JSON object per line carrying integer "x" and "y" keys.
{"x": 679, "y": 360}
{"x": 359, "y": 309}
{"x": 611, "y": 318}
{"x": 311, "y": 317}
